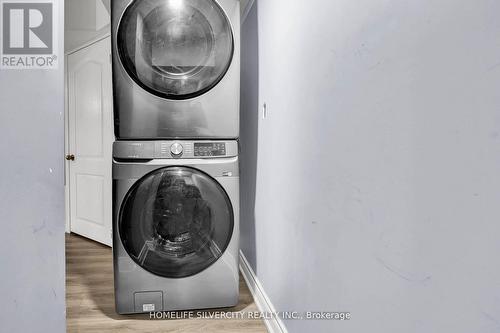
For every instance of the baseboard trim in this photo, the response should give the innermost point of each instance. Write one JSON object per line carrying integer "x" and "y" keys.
{"x": 274, "y": 325}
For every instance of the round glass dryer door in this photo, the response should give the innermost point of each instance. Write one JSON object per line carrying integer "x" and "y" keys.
{"x": 176, "y": 221}
{"x": 175, "y": 49}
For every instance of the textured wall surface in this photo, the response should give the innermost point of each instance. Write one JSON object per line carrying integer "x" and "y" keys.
{"x": 32, "y": 198}
{"x": 377, "y": 186}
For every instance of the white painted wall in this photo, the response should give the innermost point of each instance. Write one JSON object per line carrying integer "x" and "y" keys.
{"x": 32, "y": 197}
{"x": 86, "y": 21}
{"x": 249, "y": 120}
{"x": 377, "y": 178}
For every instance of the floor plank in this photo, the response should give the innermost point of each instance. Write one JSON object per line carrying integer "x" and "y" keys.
{"x": 90, "y": 299}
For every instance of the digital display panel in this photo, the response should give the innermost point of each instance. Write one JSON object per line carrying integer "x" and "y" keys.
{"x": 209, "y": 149}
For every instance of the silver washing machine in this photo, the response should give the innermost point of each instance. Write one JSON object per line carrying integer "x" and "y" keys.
{"x": 176, "y": 225}
{"x": 176, "y": 66}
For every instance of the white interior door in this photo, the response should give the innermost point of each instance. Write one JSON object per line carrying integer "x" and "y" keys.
{"x": 90, "y": 134}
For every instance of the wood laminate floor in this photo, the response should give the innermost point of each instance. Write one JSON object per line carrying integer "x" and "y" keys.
{"x": 90, "y": 299}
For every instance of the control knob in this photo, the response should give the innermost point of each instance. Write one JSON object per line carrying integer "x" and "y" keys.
{"x": 176, "y": 149}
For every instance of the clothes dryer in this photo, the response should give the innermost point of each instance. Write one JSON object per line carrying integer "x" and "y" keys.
{"x": 176, "y": 68}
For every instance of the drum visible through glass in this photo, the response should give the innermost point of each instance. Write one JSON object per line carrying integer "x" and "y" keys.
{"x": 176, "y": 49}
{"x": 176, "y": 221}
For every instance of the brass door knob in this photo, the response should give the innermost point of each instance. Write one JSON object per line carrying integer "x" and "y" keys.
{"x": 70, "y": 157}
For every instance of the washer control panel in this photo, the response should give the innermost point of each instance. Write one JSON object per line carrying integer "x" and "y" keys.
{"x": 178, "y": 149}
{"x": 209, "y": 148}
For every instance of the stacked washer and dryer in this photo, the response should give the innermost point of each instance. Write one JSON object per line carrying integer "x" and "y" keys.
{"x": 175, "y": 161}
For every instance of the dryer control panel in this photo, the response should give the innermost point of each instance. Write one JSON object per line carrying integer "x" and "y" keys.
{"x": 174, "y": 149}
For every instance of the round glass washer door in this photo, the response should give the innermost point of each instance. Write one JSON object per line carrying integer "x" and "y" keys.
{"x": 175, "y": 49}
{"x": 176, "y": 221}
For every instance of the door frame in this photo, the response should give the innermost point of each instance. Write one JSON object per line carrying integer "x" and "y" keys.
{"x": 67, "y": 164}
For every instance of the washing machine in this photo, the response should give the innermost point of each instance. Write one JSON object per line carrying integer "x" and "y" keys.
{"x": 176, "y": 225}
{"x": 176, "y": 67}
